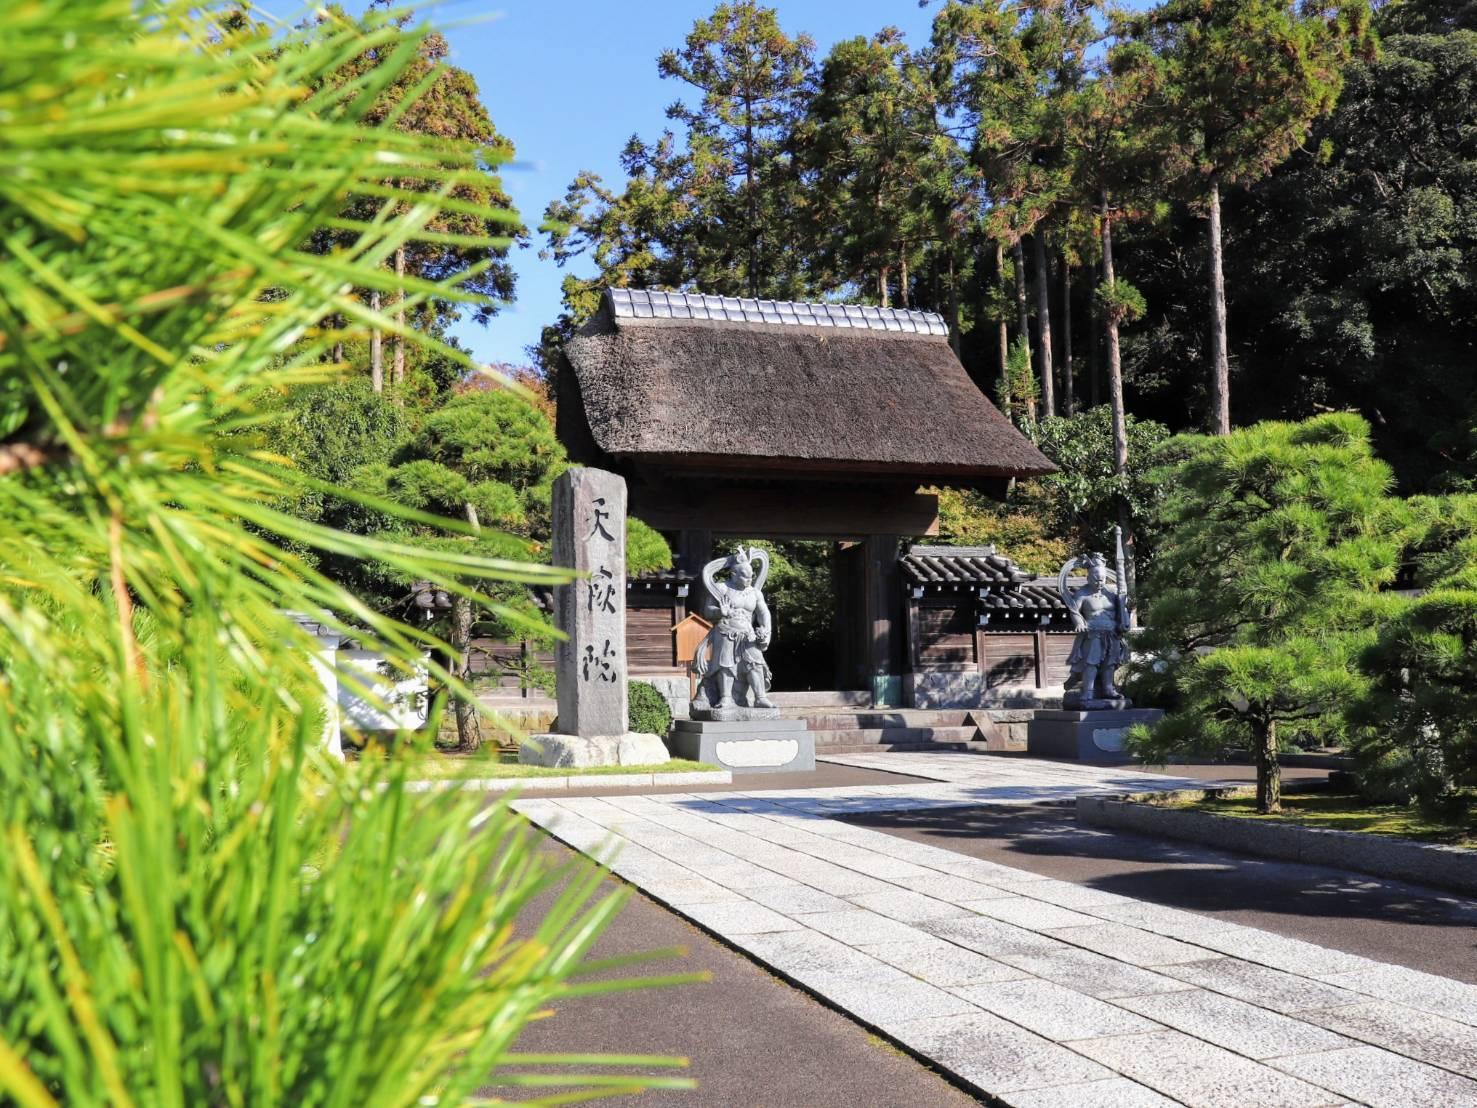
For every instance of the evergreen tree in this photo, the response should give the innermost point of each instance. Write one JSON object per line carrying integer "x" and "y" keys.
{"x": 1415, "y": 726}
{"x": 431, "y": 98}
{"x": 754, "y": 80}
{"x": 1245, "y": 80}
{"x": 720, "y": 210}
{"x": 1274, "y": 542}
{"x": 1012, "y": 68}
{"x": 876, "y": 166}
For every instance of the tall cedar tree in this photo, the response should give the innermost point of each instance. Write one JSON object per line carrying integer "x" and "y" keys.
{"x": 722, "y": 209}
{"x": 1245, "y": 80}
{"x": 1011, "y": 67}
{"x": 1115, "y": 168}
{"x": 1351, "y": 270}
{"x": 1275, "y": 541}
{"x": 754, "y": 80}
{"x": 439, "y": 101}
{"x": 876, "y": 166}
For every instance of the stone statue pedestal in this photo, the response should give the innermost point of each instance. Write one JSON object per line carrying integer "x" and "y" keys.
{"x": 753, "y": 745}
{"x": 1086, "y": 733}
{"x": 737, "y": 714}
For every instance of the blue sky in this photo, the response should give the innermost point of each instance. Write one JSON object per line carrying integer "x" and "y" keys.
{"x": 570, "y": 82}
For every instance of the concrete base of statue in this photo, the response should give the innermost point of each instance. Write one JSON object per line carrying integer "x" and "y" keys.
{"x": 634, "y": 748}
{"x": 766, "y": 745}
{"x": 1089, "y": 734}
{"x": 737, "y": 714}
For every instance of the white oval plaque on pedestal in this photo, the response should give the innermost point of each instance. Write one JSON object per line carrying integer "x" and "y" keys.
{"x": 757, "y": 752}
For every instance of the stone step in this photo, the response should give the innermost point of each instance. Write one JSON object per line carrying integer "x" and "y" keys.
{"x": 822, "y": 699}
{"x": 886, "y": 736}
{"x": 906, "y": 748}
{"x": 831, "y": 719}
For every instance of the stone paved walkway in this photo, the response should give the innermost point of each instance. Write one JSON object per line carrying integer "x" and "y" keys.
{"x": 1037, "y": 991}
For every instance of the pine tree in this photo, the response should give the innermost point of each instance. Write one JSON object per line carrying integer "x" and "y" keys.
{"x": 1263, "y": 592}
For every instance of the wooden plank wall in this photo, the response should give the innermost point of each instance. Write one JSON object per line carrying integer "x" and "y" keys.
{"x": 650, "y": 645}
{"x": 945, "y": 636}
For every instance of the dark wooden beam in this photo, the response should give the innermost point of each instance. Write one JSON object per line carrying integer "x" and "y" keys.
{"x": 794, "y": 512}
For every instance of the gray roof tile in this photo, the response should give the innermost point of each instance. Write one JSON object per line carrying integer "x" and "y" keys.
{"x": 644, "y": 304}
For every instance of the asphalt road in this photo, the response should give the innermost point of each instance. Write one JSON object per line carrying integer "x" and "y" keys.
{"x": 753, "y": 1040}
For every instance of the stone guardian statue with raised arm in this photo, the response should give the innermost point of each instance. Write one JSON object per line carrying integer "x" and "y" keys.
{"x": 734, "y": 677}
{"x": 1100, "y": 618}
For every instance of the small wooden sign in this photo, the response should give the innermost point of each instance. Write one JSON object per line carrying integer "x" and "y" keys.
{"x": 690, "y": 634}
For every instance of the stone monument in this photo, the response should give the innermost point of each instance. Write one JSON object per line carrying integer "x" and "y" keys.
{"x": 733, "y": 721}
{"x": 589, "y": 515}
{"x": 1095, "y": 715}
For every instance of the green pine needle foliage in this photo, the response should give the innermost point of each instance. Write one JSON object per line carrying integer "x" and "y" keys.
{"x": 197, "y": 905}
{"x": 1415, "y": 726}
{"x": 1274, "y": 544}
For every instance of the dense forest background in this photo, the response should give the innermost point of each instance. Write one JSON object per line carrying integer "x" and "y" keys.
{"x": 973, "y": 175}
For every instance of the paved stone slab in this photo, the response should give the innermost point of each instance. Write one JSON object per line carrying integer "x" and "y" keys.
{"x": 809, "y": 956}
{"x": 1409, "y": 1031}
{"x": 1117, "y": 1092}
{"x": 1064, "y": 894}
{"x": 1094, "y": 974}
{"x": 743, "y": 918}
{"x": 951, "y": 888}
{"x": 889, "y": 1006}
{"x": 859, "y": 927}
{"x": 1276, "y": 990}
{"x": 996, "y": 1056}
{"x": 918, "y": 941}
{"x": 942, "y": 963}
{"x": 1029, "y": 912}
{"x": 794, "y": 900}
{"x": 1454, "y": 999}
{"x": 908, "y": 906}
{"x": 1233, "y": 1024}
{"x": 1382, "y": 1079}
{"x": 1162, "y": 920}
{"x": 831, "y": 879}
{"x": 1129, "y": 944}
{"x": 1054, "y": 1011}
{"x": 993, "y": 938}
{"x": 742, "y": 876}
{"x": 1201, "y": 1075}
{"x": 1282, "y": 953}
{"x": 679, "y": 891}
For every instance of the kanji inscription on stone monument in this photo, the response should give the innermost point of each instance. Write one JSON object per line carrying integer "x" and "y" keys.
{"x": 590, "y": 664}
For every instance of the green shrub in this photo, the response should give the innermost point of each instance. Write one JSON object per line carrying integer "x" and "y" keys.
{"x": 648, "y": 712}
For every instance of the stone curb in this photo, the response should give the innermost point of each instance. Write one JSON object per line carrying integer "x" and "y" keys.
{"x": 574, "y": 781}
{"x": 1446, "y": 867}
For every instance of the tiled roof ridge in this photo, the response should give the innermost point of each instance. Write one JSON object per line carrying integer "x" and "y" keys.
{"x": 648, "y": 304}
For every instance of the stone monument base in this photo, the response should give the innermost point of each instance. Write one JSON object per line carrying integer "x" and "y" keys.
{"x": 747, "y": 746}
{"x": 1089, "y": 734}
{"x": 738, "y": 714}
{"x": 634, "y": 748}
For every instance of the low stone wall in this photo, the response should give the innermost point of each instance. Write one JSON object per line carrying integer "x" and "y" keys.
{"x": 1445, "y": 867}
{"x": 675, "y": 690}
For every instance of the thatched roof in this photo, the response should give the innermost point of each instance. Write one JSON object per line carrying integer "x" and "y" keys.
{"x": 714, "y": 383}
